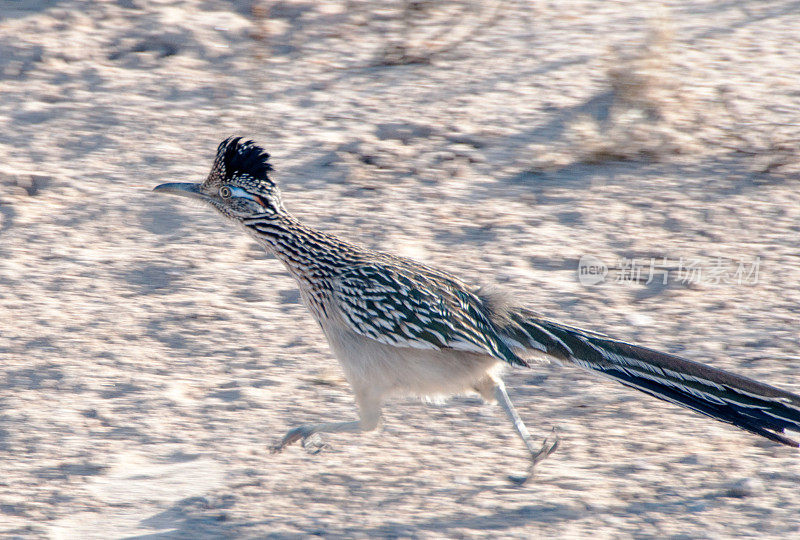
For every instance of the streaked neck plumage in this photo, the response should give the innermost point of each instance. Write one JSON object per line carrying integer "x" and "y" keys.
{"x": 311, "y": 256}
{"x": 304, "y": 250}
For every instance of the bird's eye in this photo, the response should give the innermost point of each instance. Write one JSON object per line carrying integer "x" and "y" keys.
{"x": 225, "y": 192}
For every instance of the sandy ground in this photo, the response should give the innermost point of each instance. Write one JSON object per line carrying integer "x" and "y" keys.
{"x": 150, "y": 353}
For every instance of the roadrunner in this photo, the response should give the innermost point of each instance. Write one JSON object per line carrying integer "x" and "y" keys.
{"x": 399, "y": 327}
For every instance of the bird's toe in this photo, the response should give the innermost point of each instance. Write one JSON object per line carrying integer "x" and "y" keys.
{"x": 292, "y": 436}
{"x": 314, "y": 444}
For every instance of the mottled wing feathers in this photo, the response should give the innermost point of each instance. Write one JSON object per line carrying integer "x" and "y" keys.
{"x": 406, "y": 308}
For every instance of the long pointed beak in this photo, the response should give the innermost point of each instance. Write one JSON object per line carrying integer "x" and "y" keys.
{"x": 183, "y": 189}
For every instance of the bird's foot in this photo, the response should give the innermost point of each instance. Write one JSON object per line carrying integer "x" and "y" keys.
{"x": 310, "y": 439}
{"x": 314, "y": 444}
{"x": 540, "y": 455}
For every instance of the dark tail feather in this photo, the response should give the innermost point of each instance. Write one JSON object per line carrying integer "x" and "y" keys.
{"x": 742, "y": 402}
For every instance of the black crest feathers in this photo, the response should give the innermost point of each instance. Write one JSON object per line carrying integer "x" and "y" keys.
{"x": 237, "y": 158}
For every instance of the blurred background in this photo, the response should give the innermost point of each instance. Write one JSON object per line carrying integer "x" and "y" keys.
{"x": 150, "y": 353}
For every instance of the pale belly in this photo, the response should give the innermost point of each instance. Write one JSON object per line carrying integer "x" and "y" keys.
{"x": 389, "y": 370}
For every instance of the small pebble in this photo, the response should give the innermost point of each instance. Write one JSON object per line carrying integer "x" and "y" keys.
{"x": 745, "y": 487}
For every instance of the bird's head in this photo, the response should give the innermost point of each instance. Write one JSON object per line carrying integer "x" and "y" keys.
{"x": 238, "y": 184}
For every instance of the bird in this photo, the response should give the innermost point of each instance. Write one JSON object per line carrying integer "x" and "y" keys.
{"x": 399, "y": 327}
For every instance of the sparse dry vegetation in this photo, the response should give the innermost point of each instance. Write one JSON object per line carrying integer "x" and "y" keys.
{"x": 774, "y": 151}
{"x": 421, "y": 36}
{"x": 647, "y": 114}
{"x": 642, "y": 114}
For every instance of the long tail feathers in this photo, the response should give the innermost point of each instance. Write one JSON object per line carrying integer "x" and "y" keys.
{"x": 742, "y": 402}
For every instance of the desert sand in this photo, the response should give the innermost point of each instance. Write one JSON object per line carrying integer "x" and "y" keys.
{"x": 150, "y": 353}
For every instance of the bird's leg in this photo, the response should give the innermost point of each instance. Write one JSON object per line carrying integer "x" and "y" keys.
{"x": 537, "y": 454}
{"x": 369, "y": 411}
{"x": 305, "y": 431}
